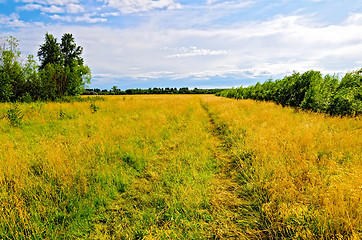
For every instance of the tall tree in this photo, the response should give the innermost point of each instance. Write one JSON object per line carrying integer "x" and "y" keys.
{"x": 49, "y": 52}
{"x": 11, "y": 74}
{"x": 77, "y": 73}
{"x": 66, "y": 72}
{"x": 70, "y": 51}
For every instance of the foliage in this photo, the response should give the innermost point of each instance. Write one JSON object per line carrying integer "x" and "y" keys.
{"x": 14, "y": 115}
{"x": 61, "y": 72}
{"x": 94, "y": 108}
{"x": 49, "y": 52}
{"x": 62, "y": 69}
{"x": 70, "y": 51}
{"x": 309, "y": 91}
{"x": 11, "y": 75}
{"x": 115, "y": 91}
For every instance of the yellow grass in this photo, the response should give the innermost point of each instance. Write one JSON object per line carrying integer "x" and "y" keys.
{"x": 180, "y": 167}
{"x": 308, "y": 165}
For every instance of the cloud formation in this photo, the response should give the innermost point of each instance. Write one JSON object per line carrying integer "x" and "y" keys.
{"x": 74, "y": 8}
{"x": 195, "y": 51}
{"x": 89, "y": 19}
{"x": 136, "y": 6}
{"x": 49, "y": 2}
{"x": 11, "y": 21}
{"x": 57, "y": 6}
{"x": 221, "y": 43}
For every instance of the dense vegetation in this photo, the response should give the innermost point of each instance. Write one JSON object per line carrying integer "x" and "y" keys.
{"x": 298, "y": 173}
{"x": 309, "y": 91}
{"x": 177, "y": 167}
{"x": 117, "y": 91}
{"x": 61, "y": 71}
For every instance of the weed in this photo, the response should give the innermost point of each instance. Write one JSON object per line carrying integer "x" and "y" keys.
{"x": 14, "y": 115}
{"x": 94, "y": 108}
{"x": 64, "y": 115}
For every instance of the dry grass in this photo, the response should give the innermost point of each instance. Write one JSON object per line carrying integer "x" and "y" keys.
{"x": 158, "y": 167}
{"x": 303, "y": 168}
{"x": 139, "y": 166}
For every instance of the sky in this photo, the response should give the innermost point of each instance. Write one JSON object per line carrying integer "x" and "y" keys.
{"x": 200, "y": 43}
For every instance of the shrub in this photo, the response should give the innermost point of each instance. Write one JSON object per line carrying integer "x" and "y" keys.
{"x": 309, "y": 91}
{"x": 94, "y": 108}
{"x": 14, "y": 115}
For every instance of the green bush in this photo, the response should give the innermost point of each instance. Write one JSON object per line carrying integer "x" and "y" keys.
{"x": 61, "y": 73}
{"x": 14, "y": 115}
{"x": 309, "y": 91}
{"x": 94, "y": 108}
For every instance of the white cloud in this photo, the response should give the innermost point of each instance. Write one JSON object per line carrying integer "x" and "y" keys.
{"x": 50, "y": 2}
{"x": 256, "y": 50}
{"x": 69, "y": 8}
{"x": 47, "y": 9}
{"x": 74, "y": 8}
{"x": 354, "y": 19}
{"x": 52, "y": 9}
{"x": 30, "y": 7}
{"x": 32, "y": 1}
{"x": 215, "y": 4}
{"x": 199, "y": 16}
{"x": 113, "y": 14}
{"x": 136, "y": 6}
{"x": 209, "y": 2}
{"x": 61, "y": 2}
{"x": 194, "y": 51}
{"x": 88, "y": 18}
{"x": 61, "y": 18}
{"x": 11, "y": 21}
{"x": 162, "y": 47}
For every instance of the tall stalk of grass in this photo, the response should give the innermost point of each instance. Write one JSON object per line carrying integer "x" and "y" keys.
{"x": 300, "y": 171}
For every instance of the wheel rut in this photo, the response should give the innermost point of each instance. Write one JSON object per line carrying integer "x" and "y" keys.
{"x": 226, "y": 203}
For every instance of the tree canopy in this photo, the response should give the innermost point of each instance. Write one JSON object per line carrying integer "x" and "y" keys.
{"x": 61, "y": 71}
{"x": 49, "y": 52}
{"x": 309, "y": 91}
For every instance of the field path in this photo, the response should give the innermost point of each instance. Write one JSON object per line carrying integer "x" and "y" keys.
{"x": 186, "y": 190}
{"x": 231, "y": 209}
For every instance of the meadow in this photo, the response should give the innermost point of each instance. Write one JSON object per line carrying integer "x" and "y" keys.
{"x": 177, "y": 167}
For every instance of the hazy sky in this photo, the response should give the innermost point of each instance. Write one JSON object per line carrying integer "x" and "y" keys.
{"x": 203, "y": 43}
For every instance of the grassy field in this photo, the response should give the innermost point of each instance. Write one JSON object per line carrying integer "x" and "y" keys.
{"x": 177, "y": 167}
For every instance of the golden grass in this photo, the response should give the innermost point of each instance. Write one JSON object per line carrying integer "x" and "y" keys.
{"x": 308, "y": 166}
{"x": 180, "y": 167}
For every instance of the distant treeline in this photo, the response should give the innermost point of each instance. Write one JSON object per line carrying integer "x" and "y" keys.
{"x": 116, "y": 91}
{"x": 309, "y": 91}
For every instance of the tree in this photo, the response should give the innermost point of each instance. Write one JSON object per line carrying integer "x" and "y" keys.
{"x": 129, "y": 91}
{"x": 32, "y": 80}
{"x": 70, "y": 51}
{"x": 49, "y": 52}
{"x": 11, "y": 74}
{"x": 66, "y": 72}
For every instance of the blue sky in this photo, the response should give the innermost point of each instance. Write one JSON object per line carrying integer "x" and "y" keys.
{"x": 203, "y": 43}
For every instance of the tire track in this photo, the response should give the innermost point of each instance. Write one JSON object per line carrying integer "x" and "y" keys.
{"x": 226, "y": 203}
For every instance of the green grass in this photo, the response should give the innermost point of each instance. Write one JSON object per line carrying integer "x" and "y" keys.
{"x": 177, "y": 167}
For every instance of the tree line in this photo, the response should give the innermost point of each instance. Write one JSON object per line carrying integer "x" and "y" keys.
{"x": 61, "y": 71}
{"x": 115, "y": 91}
{"x": 309, "y": 91}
